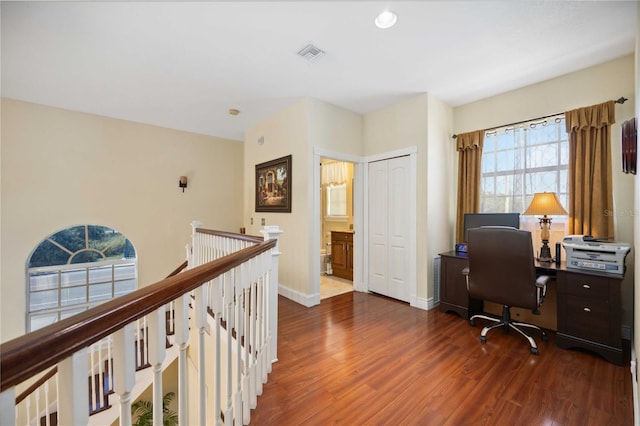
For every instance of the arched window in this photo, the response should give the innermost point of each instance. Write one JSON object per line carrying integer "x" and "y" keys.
{"x": 76, "y": 269}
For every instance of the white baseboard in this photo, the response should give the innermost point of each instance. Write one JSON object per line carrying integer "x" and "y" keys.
{"x": 307, "y": 300}
{"x": 425, "y": 304}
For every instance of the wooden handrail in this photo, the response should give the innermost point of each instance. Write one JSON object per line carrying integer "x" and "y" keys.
{"x": 179, "y": 269}
{"x": 28, "y": 391}
{"x": 242, "y": 237}
{"x": 28, "y": 355}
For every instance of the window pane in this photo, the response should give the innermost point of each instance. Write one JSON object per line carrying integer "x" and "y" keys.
{"x": 73, "y": 277}
{"x": 124, "y": 287}
{"x": 100, "y": 275}
{"x": 40, "y": 300}
{"x": 43, "y": 281}
{"x": 73, "y": 239}
{"x": 125, "y": 271}
{"x": 73, "y": 296}
{"x": 71, "y": 312}
{"x": 98, "y": 292}
{"x": 39, "y": 321}
{"x": 47, "y": 254}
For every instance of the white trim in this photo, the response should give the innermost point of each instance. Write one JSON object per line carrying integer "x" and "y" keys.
{"x": 412, "y": 150}
{"x": 301, "y": 298}
{"x": 425, "y": 304}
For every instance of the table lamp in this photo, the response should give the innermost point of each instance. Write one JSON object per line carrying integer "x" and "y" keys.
{"x": 545, "y": 203}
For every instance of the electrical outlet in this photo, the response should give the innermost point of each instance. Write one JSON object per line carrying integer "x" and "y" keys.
{"x": 263, "y": 222}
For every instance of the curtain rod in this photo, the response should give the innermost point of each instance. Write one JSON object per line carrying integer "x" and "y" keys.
{"x": 620, "y": 100}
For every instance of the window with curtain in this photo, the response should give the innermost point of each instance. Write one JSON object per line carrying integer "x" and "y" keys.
{"x": 519, "y": 161}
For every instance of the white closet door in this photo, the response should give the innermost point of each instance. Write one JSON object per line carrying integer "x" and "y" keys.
{"x": 389, "y": 227}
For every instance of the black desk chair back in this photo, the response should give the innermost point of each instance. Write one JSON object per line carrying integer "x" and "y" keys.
{"x": 502, "y": 270}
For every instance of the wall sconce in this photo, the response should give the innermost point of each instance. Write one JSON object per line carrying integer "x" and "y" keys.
{"x": 183, "y": 182}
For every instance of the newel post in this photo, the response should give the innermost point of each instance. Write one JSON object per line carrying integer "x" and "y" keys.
{"x": 272, "y": 232}
{"x": 194, "y": 260}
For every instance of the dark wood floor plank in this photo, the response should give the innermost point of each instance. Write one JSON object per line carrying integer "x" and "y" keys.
{"x": 363, "y": 359}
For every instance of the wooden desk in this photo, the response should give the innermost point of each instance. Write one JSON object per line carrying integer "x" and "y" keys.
{"x": 588, "y": 305}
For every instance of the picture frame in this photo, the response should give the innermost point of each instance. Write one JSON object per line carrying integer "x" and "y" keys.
{"x": 629, "y": 146}
{"x": 273, "y": 186}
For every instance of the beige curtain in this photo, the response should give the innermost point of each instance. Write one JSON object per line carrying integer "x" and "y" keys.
{"x": 469, "y": 146}
{"x": 590, "y": 190}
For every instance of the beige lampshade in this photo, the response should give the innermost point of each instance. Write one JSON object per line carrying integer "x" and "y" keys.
{"x": 545, "y": 203}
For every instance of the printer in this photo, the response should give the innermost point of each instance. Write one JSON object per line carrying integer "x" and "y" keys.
{"x": 585, "y": 252}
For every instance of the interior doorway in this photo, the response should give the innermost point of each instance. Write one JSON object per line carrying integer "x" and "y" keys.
{"x": 350, "y": 225}
{"x": 336, "y": 227}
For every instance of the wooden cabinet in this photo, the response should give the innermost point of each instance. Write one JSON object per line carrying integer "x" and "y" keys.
{"x": 453, "y": 287}
{"x": 342, "y": 254}
{"x": 589, "y": 314}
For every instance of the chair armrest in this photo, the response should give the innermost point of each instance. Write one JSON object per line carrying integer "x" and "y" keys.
{"x": 465, "y": 272}
{"x": 541, "y": 284}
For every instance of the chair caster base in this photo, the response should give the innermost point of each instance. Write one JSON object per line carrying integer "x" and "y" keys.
{"x": 483, "y": 339}
{"x": 534, "y": 351}
{"x": 545, "y": 338}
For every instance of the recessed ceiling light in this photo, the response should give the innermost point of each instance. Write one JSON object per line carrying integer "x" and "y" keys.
{"x": 386, "y": 19}
{"x": 234, "y": 111}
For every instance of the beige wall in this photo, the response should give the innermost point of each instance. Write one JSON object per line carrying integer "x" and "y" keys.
{"x": 297, "y": 130}
{"x": 440, "y": 205}
{"x": 582, "y": 88}
{"x": 400, "y": 126}
{"x": 63, "y": 168}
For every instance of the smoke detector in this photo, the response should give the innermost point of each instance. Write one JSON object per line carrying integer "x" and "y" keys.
{"x": 311, "y": 53}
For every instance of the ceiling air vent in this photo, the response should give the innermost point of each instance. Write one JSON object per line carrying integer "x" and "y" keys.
{"x": 311, "y": 53}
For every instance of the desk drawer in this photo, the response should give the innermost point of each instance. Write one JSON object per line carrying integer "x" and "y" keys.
{"x": 590, "y": 319}
{"x": 588, "y": 286}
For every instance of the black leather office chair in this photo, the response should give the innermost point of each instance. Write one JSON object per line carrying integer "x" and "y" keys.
{"x": 501, "y": 270}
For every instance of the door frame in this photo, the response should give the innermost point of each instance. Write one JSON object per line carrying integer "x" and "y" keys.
{"x": 360, "y": 217}
{"x": 412, "y": 152}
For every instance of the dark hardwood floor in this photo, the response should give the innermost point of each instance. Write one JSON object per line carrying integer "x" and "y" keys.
{"x": 362, "y": 359}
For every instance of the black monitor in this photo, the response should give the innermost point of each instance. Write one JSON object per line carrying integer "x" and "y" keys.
{"x": 476, "y": 220}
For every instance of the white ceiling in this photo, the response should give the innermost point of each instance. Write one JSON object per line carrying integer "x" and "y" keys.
{"x": 183, "y": 65}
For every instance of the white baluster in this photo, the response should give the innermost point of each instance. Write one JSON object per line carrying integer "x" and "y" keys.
{"x": 47, "y": 414}
{"x": 200, "y": 323}
{"x": 228, "y": 413}
{"x": 239, "y": 320}
{"x": 157, "y": 351}
{"x": 92, "y": 381}
{"x": 101, "y": 376}
{"x": 36, "y": 395}
{"x": 182, "y": 338}
{"x": 72, "y": 403}
{"x": 124, "y": 369}
{"x": 246, "y": 391}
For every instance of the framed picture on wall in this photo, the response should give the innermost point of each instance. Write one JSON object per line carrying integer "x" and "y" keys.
{"x": 273, "y": 186}
{"x": 629, "y": 146}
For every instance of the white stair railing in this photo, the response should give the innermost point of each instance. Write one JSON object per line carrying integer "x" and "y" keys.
{"x": 229, "y": 289}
